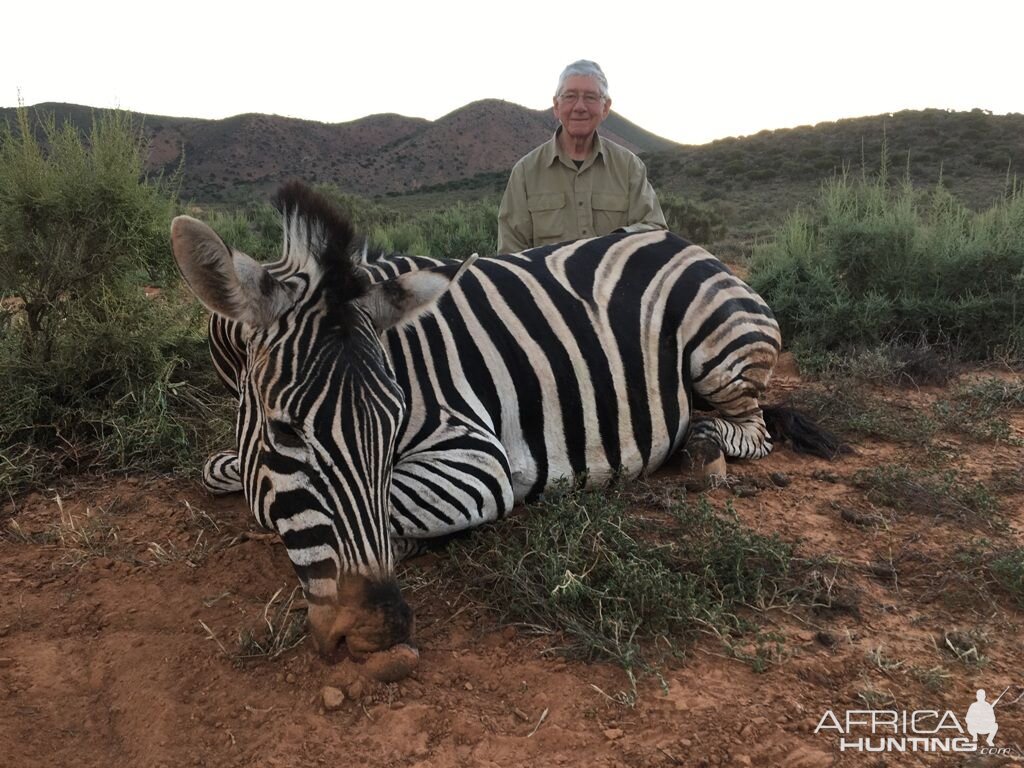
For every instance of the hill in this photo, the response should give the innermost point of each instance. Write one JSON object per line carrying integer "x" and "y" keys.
{"x": 750, "y": 181}
{"x": 754, "y": 180}
{"x": 246, "y": 156}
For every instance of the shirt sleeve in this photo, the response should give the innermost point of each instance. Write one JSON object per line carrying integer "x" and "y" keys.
{"x": 515, "y": 226}
{"x": 644, "y": 209}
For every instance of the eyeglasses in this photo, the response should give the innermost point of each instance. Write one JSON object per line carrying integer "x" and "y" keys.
{"x": 589, "y": 98}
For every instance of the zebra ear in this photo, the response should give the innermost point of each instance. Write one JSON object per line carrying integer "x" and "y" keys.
{"x": 227, "y": 282}
{"x": 403, "y": 298}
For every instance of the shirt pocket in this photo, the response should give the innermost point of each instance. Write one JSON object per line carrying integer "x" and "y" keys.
{"x": 609, "y": 212}
{"x": 547, "y": 214}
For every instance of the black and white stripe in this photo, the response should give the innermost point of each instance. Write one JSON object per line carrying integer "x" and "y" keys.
{"x": 361, "y": 421}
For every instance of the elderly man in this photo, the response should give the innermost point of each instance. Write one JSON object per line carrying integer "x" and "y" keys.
{"x": 578, "y": 184}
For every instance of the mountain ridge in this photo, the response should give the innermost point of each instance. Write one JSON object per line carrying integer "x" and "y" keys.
{"x": 248, "y": 155}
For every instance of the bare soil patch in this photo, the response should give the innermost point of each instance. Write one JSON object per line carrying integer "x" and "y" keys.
{"x": 136, "y": 614}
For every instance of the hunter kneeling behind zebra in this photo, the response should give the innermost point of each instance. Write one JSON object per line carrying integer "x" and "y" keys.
{"x": 386, "y": 400}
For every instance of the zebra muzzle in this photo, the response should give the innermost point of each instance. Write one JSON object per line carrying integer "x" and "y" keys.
{"x": 371, "y": 624}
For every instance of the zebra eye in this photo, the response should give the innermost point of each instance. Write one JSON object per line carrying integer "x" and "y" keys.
{"x": 286, "y": 435}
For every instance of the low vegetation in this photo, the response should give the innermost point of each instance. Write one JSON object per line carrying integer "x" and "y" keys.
{"x": 877, "y": 260}
{"x": 97, "y": 372}
{"x": 946, "y": 493}
{"x": 622, "y": 575}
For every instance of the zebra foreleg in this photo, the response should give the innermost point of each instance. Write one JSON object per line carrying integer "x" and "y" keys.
{"x": 461, "y": 480}
{"x": 222, "y": 473}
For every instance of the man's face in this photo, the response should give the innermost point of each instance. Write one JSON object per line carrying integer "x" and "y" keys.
{"x": 579, "y": 107}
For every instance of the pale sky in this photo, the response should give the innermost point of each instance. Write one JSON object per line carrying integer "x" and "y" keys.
{"x": 688, "y": 71}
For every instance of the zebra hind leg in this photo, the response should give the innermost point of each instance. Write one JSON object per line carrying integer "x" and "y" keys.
{"x": 222, "y": 473}
{"x": 711, "y": 440}
{"x": 703, "y": 458}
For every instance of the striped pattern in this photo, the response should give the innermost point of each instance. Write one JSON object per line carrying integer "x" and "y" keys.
{"x": 570, "y": 363}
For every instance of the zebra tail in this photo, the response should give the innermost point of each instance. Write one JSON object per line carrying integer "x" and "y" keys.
{"x": 803, "y": 434}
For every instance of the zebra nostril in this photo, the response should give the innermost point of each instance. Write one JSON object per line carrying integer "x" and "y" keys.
{"x": 330, "y": 645}
{"x": 327, "y": 628}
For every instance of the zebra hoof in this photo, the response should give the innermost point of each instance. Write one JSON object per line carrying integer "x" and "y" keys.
{"x": 705, "y": 463}
{"x": 392, "y": 665}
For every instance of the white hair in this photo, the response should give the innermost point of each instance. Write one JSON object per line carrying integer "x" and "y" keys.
{"x": 585, "y": 68}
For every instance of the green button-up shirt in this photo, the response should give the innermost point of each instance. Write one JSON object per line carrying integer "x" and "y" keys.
{"x": 549, "y": 200}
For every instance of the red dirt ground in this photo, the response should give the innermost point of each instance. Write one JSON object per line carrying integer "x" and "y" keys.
{"x": 123, "y": 602}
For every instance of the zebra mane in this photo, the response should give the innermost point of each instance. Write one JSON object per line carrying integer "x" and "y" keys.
{"x": 315, "y": 229}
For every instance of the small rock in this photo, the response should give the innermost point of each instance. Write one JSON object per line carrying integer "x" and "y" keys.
{"x": 289, "y": 678}
{"x": 613, "y": 733}
{"x": 854, "y": 517}
{"x": 356, "y": 689}
{"x": 333, "y": 698}
{"x": 825, "y": 638}
{"x": 742, "y": 760}
{"x": 781, "y": 479}
{"x": 468, "y": 686}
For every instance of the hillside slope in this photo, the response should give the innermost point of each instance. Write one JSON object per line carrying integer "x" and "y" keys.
{"x": 246, "y": 156}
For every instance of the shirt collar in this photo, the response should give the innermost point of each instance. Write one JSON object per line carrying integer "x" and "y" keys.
{"x": 553, "y": 152}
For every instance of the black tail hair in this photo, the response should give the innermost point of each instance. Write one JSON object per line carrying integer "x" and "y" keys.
{"x": 804, "y": 435}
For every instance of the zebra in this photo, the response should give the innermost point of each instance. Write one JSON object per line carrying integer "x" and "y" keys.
{"x": 387, "y": 400}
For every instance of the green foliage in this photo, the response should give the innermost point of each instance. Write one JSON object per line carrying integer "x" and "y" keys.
{"x": 255, "y": 230}
{"x": 454, "y": 232}
{"x": 878, "y": 262}
{"x": 756, "y": 181}
{"x": 928, "y": 492}
{"x": 852, "y": 411}
{"x": 74, "y": 219}
{"x": 618, "y": 583}
{"x": 697, "y": 222}
{"x": 979, "y": 410}
{"x": 1008, "y": 569}
{"x": 897, "y": 363}
{"x": 94, "y": 372}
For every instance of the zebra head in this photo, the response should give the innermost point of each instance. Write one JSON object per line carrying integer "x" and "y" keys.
{"x": 319, "y": 406}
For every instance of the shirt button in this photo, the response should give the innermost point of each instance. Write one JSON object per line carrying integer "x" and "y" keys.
{"x": 581, "y": 202}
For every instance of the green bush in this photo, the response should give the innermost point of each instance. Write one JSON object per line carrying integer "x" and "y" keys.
{"x": 876, "y": 262}
{"x": 454, "y": 232}
{"x": 255, "y": 230}
{"x": 95, "y": 369}
{"x": 698, "y": 222}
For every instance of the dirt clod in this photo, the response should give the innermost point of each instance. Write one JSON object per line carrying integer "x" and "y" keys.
{"x": 392, "y": 665}
{"x": 333, "y": 698}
